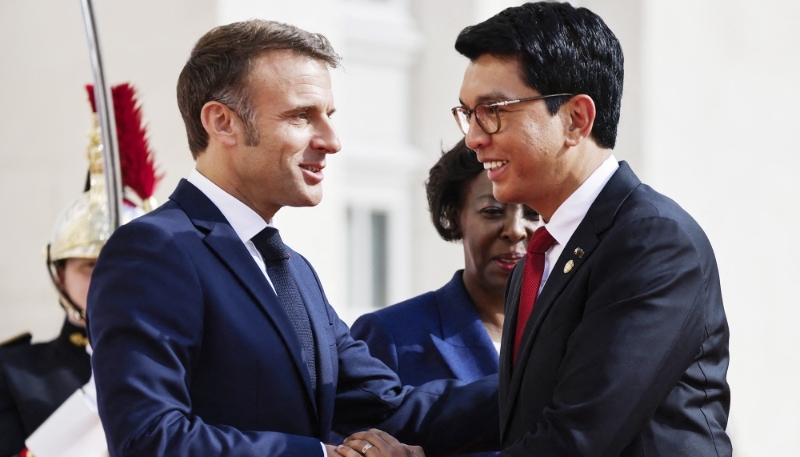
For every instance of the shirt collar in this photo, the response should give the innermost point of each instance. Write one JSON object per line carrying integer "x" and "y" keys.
{"x": 569, "y": 215}
{"x": 244, "y": 221}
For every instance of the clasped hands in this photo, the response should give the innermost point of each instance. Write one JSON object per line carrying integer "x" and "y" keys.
{"x": 373, "y": 443}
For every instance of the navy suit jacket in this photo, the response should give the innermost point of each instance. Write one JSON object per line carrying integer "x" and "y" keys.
{"x": 194, "y": 354}
{"x": 626, "y": 352}
{"x": 436, "y": 335}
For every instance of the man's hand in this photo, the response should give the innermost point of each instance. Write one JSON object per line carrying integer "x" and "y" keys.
{"x": 374, "y": 443}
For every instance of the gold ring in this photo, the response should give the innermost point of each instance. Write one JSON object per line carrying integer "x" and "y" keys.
{"x": 366, "y": 447}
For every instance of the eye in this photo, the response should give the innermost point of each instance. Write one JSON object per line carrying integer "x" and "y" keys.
{"x": 303, "y": 115}
{"x": 492, "y": 212}
{"x": 483, "y": 111}
{"x": 530, "y": 214}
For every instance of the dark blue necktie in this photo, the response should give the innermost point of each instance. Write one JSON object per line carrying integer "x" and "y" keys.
{"x": 276, "y": 258}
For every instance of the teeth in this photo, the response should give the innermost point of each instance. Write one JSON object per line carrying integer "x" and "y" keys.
{"x": 494, "y": 165}
{"x": 509, "y": 261}
{"x": 312, "y": 169}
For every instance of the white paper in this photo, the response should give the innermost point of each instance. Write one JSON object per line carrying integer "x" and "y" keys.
{"x": 74, "y": 430}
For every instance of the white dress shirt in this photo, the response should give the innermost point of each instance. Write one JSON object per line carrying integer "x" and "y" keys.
{"x": 569, "y": 215}
{"x": 244, "y": 221}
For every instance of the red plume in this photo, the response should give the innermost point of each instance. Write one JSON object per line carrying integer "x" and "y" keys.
{"x": 90, "y": 91}
{"x": 135, "y": 157}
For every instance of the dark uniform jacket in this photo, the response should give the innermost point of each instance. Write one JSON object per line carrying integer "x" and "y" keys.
{"x": 35, "y": 379}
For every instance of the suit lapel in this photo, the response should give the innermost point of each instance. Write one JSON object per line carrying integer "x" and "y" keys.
{"x": 464, "y": 344}
{"x": 228, "y": 247}
{"x": 587, "y": 236}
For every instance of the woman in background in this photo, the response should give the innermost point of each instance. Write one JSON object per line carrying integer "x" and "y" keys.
{"x": 454, "y": 332}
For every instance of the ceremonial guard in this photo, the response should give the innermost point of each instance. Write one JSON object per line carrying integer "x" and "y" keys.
{"x": 36, "y": 379}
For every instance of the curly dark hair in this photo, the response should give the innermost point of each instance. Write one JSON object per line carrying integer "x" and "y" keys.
{"x": 446, "y": 188}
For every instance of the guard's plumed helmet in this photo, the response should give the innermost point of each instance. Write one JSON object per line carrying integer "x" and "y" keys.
{"x": 84, "y": 225}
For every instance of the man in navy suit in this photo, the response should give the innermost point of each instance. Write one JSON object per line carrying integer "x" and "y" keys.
{"x": 625, "y": 350}
{"x": 210, "y": 336}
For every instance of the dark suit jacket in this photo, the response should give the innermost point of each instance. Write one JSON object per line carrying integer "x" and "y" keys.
{"x": 626, "y": 354}
{"x": 194, "y": 354}
{"x": 35, "y": 379}
{"x": 436, "y": 335}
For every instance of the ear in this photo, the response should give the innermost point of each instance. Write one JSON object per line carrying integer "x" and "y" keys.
{"x": 581, "y": 111}
{"x": 220, "y": 123}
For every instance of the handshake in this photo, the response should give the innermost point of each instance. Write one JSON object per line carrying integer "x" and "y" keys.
{"x": 359, "y": 444}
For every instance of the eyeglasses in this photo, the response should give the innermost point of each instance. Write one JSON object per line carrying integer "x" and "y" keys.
{"x": 487, "y": 114}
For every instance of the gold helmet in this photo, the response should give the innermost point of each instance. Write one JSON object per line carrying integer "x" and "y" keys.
{"x": 84, "y": 225}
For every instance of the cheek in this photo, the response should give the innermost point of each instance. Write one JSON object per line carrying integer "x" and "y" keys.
{"x": 479, "y": 240}
{"x": 77, "y": 286}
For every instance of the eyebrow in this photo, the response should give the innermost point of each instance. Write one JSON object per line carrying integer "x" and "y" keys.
{"x": 308, "y": 108}
{"x": 487, "y": 197}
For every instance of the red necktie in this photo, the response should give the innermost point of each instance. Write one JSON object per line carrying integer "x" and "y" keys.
{"x": 531, "y": 279}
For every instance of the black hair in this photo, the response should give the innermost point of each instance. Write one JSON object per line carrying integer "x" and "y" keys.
{"x": 561, "y": 49}
{"x": 446, "y": 188}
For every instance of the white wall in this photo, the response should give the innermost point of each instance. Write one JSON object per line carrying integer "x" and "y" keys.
{"x": 721, "y": 91}
{"x": 45, "y": 118}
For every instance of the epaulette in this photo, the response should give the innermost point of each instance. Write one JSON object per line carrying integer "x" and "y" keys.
{"x": 19, "y": 340}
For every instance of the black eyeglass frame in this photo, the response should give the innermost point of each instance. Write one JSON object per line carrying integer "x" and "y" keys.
{"x": 468, "y": 112}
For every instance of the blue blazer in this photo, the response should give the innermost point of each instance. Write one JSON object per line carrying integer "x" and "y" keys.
{"x": 626, "y": 350}
{"x": 436, "y": 335}
{"x": 194, "y": 354}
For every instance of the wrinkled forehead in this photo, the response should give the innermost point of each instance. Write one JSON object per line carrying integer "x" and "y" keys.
{"x": 291, "y": 77}
{"x": 286, "y": 67}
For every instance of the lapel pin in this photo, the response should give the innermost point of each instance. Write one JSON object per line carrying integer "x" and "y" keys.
{"x": 579, "y": 252}
{"x": 568, "y": 266}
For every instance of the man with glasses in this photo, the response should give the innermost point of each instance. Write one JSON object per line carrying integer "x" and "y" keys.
{"x": 615, "y": 340}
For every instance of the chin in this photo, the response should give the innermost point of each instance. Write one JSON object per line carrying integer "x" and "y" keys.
{"x": 311, "y": 199}
{"x": 305, "y": 195}
{"x": 504, "y": 193}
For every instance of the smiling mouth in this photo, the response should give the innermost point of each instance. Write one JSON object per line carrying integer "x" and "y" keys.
{"x": 311, "y": 169}
{"x": 494, "y": 165}
{"x": 507, "y": 262}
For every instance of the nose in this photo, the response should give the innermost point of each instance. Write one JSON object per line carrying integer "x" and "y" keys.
{"x": 476, "y": 137}
{"x": 326, "y": 140}
{"x": 515, "y": 227}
